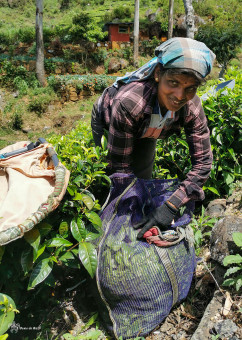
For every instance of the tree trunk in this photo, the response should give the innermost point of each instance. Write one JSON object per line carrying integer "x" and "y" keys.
{"x": 136, "y": 33}
{"x": 170, "y": 19}
{"x": 40, "y": 70}
{"x": 189, "y": 18}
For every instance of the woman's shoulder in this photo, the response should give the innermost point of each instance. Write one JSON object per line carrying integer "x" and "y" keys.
{"x": 136, "y": 95}
{"x": 194, "y": 106}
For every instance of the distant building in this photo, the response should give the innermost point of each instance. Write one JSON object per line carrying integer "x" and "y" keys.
{"x": 119, "y": 31}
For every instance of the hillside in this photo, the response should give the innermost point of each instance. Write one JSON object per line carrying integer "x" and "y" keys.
{"x": 19, "y": 15}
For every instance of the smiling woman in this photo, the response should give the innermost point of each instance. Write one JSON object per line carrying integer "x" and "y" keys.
{"x": 175, "y": 88}
{"x": 154, "y": 102}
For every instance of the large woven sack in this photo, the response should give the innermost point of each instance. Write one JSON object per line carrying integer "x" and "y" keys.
{"x": 140, "y": 282}
{"x": 31, "y": 187}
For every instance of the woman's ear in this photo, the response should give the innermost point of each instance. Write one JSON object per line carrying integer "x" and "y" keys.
{"x": 157, "y": 73}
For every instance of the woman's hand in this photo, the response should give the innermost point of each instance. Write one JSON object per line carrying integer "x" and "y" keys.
{"x": 161, "y": 217}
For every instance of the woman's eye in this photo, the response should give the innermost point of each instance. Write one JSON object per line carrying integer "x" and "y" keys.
{"x": 192, "y": 89}
{"x": 173, "y": 82}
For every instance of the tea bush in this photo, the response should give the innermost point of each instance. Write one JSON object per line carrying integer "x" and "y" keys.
{"x": 88, "y": 82}
{"x": 235, "y": 279}
{"x": 64, "y": 239}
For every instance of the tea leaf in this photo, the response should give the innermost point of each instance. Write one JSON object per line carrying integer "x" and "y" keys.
{"x": 40, "y": 273}
{"x": 88, "y": 257}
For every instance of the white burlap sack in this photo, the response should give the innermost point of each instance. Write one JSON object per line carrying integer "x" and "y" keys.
{"x": 30, "y": 188}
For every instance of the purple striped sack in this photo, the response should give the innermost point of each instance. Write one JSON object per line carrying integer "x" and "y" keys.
{"x": 140, "y": 282}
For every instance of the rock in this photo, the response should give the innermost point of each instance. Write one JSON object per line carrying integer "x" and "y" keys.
{"x": 221, "y": 241}
{"x": 181, "y": 22}
{"x": 123, "y": 63}
{"x": 213, "y": 308}
{"x": 234, "y": 204}
{"x": 148, "y": 12}
{"x": 152, "y": 17}
{"x": 15, "y": 94}
{"x": 216, "y": 208}
{"x": 225, "y": 328}
{"x": 45, "y": 128}
{"x": 26, "y": 129}
{"x": 114, "y": 65}
{"x": 100, "y": 70}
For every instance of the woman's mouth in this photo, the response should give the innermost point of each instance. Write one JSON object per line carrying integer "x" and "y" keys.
{"x": 177, "y": 102}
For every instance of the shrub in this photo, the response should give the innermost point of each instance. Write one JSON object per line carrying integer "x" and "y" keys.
{"x": 223, "y": 42}
{"x": 17, "y": 121}
{"x": 234, "y": 272}
{"x": 86, "y": 82}
{"x": 20, "y": 85}
{"x": 64, "y": 238}
{"x": 17, "y": 77}
{"x": 128, "y": 53}
{"x": 148, "y": 46}
{"x": 40, "y": 100}
{"x": 84, "y": 27}
{"x": 49, "y": 65}
{"x": 48, "y": 34}
{"x": 122, "y": 12}
{"x": 26, "y": 35}
{"x": 100, "y": 56}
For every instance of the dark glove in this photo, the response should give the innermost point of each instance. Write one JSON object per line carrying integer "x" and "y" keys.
{"x": 161, "y": 217}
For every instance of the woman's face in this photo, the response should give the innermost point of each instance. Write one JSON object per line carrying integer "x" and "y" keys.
{"x": 175, "y": 90}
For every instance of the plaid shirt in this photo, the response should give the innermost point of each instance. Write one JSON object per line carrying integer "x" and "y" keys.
{"x": 126, "y": 114}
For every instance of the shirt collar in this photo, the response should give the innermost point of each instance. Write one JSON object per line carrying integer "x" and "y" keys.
{"x": 156, "y": 110}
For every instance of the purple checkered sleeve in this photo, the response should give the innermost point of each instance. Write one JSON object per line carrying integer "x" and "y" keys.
{"x": 198, "y": 138}
{"x": 130, "y": 112}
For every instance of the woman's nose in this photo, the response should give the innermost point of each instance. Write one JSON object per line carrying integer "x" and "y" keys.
{"x": 180, "y": 93}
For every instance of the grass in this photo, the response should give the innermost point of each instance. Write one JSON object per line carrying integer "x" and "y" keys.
{"x": 53, "y": 15}
{"x": 58, "y": 119}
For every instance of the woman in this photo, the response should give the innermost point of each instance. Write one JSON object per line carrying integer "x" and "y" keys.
{"x": 154, "y": 102}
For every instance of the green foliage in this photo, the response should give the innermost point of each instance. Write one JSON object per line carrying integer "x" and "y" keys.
{"x": 223, "y": 42}
{"x": 17, "y": 120}
{"x": 40, "y": 98}
{"x": 121, "y": 12}
{"x": 128, "y": 53}
{"x": 7, "y": 312}
{"x": 68, "y": 236}
{"x": 26, "y": 35}
{"x": 224, "y": 121}
{"x": 84, "y": 27}
{"x": 88, "y": 82}
{"x": 163, "y": 15}
{"x": 100, "y": 56}
{"x": 202, "y": 226}
{"x": 49, "y": 65}
{"x": 225, "y": 15}
{"x": 17, "y": 77}
{"x": 148, "y": 46}
{"x": 235, "y": 274}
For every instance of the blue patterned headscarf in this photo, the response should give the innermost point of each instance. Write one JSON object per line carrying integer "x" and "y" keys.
{"x": 175, "y": 53}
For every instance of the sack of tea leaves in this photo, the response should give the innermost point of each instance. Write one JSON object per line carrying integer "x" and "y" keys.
{"x": 139, "y": 282}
